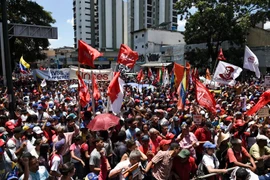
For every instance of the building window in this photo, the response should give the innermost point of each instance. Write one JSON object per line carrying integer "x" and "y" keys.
{"x": 87, "y": 8}
{"x": 142, "y": 46}
{"x": 136, "y": 36}
{"x": 88, "y": 39}
{"x": 88, "y": 26}
{"x": 88, "y": 14}
{"x": 142, "y": 35}
{"x": 87, "y": 32}
{"x": 135, "y": 47}
{"x": 87, "y": 2}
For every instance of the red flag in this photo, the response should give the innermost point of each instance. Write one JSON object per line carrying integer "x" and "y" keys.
{"x": 83, "y": 92}
{"x": 127, "y": 57}
{"x": 178, "y": 74}
{"x": 140, "y": 76}
{"x": 96, "y": 93}
{"x": 204, "y": 97}
{"x": 220, "y": 55}
{"x": 87, "y": 54}
{"x": 264, "y": 99}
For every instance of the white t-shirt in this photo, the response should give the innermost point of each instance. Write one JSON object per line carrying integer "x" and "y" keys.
{"x": 41, "y": 174}
{"x": 211, "y": 161}
{"x": 56, "y": 162}
{"x": 124, "y": 165}
{"x": 13, "y": 144}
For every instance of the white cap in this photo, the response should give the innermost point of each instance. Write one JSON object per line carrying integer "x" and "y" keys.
{"x": 37, "y": 130}
{"x": 261, "y": 137}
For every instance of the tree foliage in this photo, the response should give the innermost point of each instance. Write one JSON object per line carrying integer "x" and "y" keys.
{"x": 216, "y": 21}
{"x": 27, "y": 12}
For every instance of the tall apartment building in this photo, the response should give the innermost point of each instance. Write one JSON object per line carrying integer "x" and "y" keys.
{"x": 106, "y": 24}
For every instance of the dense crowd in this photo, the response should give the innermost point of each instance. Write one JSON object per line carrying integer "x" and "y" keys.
{"x": 49, "y": 138}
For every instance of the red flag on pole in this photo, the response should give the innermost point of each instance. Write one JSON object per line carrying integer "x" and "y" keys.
{"x": 87, "y": 54}
{"x": 140, "y": 76}
{"x": 127, "y": 57}
{"x": 83, "y": 92}
{"x": 264, "y": 99}
{"x": 220, "y": 55}
{"x": 96, "y": 93}
{"x": 204, "y": 96}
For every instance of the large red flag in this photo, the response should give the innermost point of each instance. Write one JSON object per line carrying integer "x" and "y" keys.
{"x": 96, "y": 93}
{"x": 178, "y": 74}
{"x": 83, "y": 92}
{"x": 204, "y": 97}
{"x": 87, "y": 54}
{"x": 220, "y": 55}
{"x": 127, "y": 57}
{"x": 264, "y": 99}
{"x": 140, "y": 76}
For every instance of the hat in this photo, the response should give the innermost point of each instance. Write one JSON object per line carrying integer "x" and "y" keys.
{"x": 71, "y": 116}
{"x": 165, "y": 142}
{"x": 25, "y": 127}
{"x": 261, "y": 137}
{"x": 39, "y": 108}
{"x": 48, "y": 124}
{"x": 56, "y": 117}
{"x": 18, "y": 130}
{"x": 43, "y": 98}
{"x": 37, "y": 130}
{"x": 222, "y": 137}
{"x": 59, "y": 144}
{"x": 145, "y": 138}
{"x": 68, "y": 99}
{"x": 91, "y": 176}
{"x": 164, "y": 122}
{"x": 209, "y": 145}
{"x": 229, "y": 118}
{"x": 3, "y": 131}
{"x": 236, "y": 141}
{"x": 2, "y": 142}
{"x": 10, "y": 125}
{"x": 170, "y": 136}
{"x": 35, "y": 105}
{"x": 175, "y": 118}
{"x": 184, "y": 153}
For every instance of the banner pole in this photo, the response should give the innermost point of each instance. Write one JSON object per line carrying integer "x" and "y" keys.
{"x": 92, "y": 94}
{"x": 79, "y": 108}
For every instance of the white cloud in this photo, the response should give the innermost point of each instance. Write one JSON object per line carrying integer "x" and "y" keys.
{"x": 267, "y": 25}
{"x": 181, "y": 25}
{"x": 71, "y": 21}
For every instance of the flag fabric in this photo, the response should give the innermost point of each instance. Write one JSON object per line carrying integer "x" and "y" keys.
{"x": 116, "y": 93}
{"x": 264, "y": 99}
{"x": 226, "y": 73}
{"x": 150, "y": 74}
{"x": 221, "y": 55}
{"x": 24, "y": 66}
{"x": 187, "y": 68}
{"x": 83, "y": 92}
{"x": 181, "y": 91}
{"x": 127, "y": 57}
{"x": 96, "y": 93}
{"x": 87, "y": 54}
{"x": 140, "y": 76}
{"x": 43, "y": 83}
{"x": 165, "y": 78}
{"x": 204, "y": 97}
{"x": 207, "y": 74}
{"x": 178, "y": 74}
{"x": 251, "y": 62}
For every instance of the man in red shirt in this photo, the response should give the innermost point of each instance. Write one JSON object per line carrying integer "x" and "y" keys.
{"x": 203, "y": 134}
{"x": 184, "y": 166}
{"x": 238, "y": 156}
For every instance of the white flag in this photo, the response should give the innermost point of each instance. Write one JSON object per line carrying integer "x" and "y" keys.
{"x": 43, "y": 83}
{"x": 251, "y": 62}
{"x": 226, "y": 73}
{"x": 165, "y": 78}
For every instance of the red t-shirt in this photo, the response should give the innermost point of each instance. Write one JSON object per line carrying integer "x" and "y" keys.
{"x": 183, "y": 170}
{"x": 234, "y": 156}
{"x": 48, "y": 134}
{"x": 202, "y": 135}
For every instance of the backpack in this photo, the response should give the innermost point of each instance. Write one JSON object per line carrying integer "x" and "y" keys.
{"x": 201, "y": 171}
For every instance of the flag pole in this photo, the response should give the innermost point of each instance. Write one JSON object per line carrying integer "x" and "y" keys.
{"x": 92, "y": 94}
{"x": 78, "y": 101}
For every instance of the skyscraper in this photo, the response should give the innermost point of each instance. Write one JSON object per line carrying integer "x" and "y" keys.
{"x": 106, "y": 24}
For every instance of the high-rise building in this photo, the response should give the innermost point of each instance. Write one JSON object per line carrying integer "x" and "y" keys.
{"x": 106, "y": 24}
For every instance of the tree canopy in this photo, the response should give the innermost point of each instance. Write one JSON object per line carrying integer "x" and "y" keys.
{"x": 216, "y": 21}
{"x": 27, "y": 12}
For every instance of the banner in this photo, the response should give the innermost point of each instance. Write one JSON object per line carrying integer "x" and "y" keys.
{"x": 101, "y": 74}
{"x": 52, "y": 74}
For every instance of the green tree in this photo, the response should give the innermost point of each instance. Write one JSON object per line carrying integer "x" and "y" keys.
{"x": 216, "y": 21}
{"x": 27, "y": 12}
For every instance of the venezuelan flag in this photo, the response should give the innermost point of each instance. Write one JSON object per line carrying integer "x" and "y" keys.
{"x": 181, "y": 91}
{"x": 24, "y": 66}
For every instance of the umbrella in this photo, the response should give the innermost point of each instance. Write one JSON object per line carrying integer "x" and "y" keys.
{"x": 103, "y": 122}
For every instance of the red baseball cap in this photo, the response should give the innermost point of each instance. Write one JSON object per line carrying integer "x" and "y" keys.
{"x": 229, "y": 118}
{"x": 165, "y": 142}
{"x": 2, "y": 142}
{"x": 10, "y": 125}
{"x": 170, "y": 136}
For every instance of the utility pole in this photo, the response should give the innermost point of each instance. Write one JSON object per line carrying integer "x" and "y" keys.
{"x": 7, "y": 59}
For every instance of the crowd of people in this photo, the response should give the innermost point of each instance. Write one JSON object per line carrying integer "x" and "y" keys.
{"x": 49, "y": 138}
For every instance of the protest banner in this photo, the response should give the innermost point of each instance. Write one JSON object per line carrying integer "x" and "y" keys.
{"x": 101, "y": 74}
{"x": 267, "y": 82}
{"x": 52, "y": 74}
{"x": 264, "y": 112}
{"x": 197, "y": 119}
